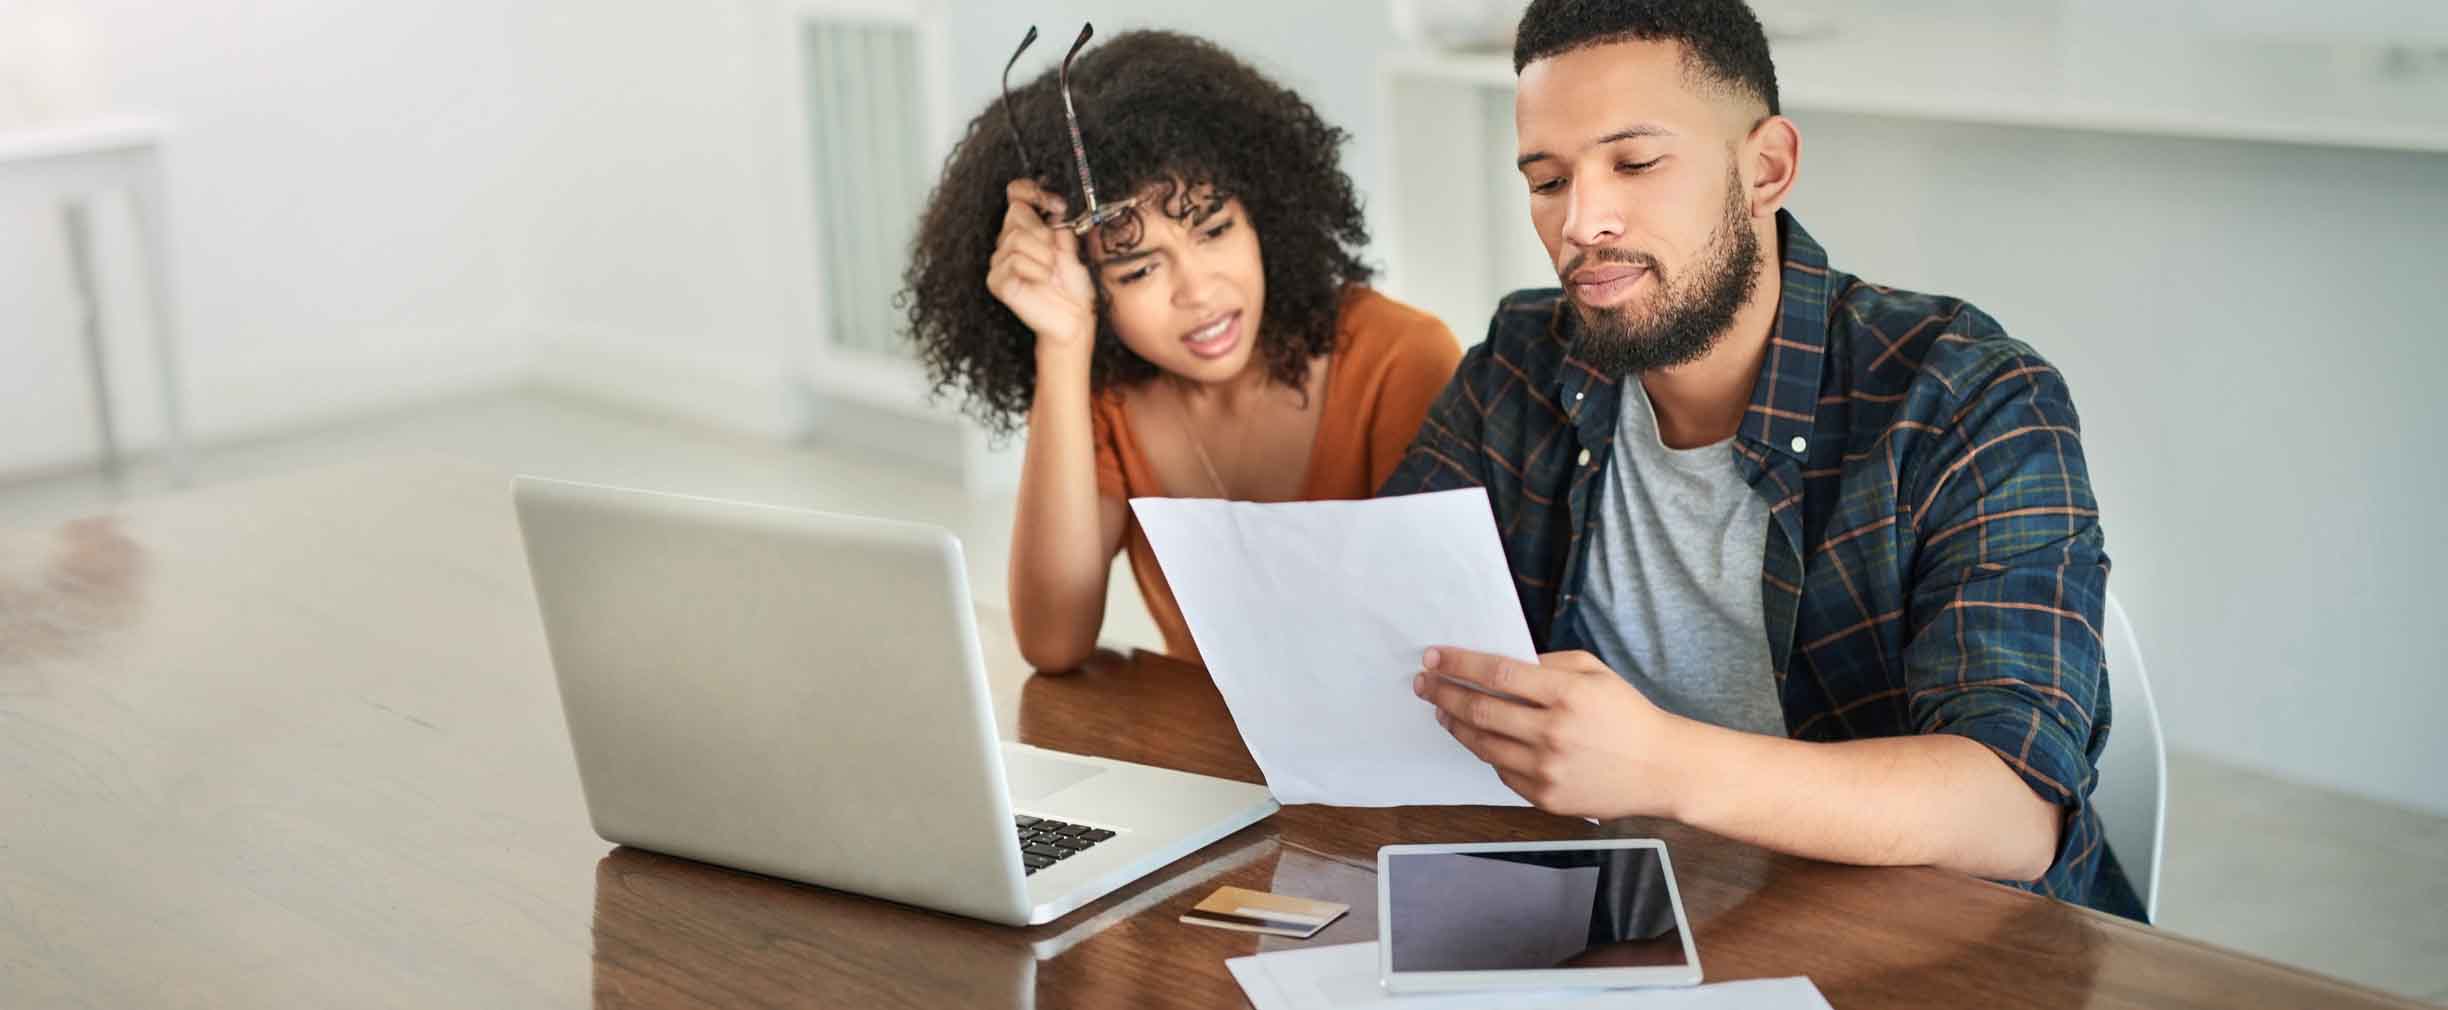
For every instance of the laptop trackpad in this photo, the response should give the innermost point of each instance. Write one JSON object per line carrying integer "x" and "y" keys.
{"x": 1034, "y": 774}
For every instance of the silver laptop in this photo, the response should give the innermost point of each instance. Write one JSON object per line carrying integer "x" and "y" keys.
{"x": 802, "y": 695}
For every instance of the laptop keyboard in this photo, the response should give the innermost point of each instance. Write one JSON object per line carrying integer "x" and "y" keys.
{"x": 1044, "y": 843}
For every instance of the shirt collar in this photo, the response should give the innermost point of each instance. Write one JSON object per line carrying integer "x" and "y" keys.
{"x": 1785, "y": 400}
{"x": 1586, "y": 395}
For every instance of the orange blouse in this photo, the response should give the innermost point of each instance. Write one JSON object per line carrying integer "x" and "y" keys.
{"x": 1390, "y": 362}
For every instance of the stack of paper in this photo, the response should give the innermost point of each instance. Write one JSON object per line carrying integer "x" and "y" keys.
{"x": 1312, "y": 617}
{"x": 1344, "y": 977}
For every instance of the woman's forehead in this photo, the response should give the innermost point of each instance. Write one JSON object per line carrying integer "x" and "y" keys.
{"x": 1164, "y": 210}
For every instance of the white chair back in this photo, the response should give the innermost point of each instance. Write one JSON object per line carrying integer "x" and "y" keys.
{"x": 2132, "y": 793}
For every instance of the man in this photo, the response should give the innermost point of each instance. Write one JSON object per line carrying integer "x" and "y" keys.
{"x": 1818, "y": 560}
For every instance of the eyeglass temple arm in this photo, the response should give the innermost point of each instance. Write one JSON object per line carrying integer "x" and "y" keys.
{"x": 1079, "y": 148}
{"x": 1027, "y": 164}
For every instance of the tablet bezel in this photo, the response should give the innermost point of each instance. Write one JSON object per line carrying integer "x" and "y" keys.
{"x": 1686, "y": 974}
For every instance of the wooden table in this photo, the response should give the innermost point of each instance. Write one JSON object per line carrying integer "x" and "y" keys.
{"x": 295, "y": 743}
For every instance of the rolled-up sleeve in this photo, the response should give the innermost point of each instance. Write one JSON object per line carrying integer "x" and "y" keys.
{"x": 2009, "y": 587}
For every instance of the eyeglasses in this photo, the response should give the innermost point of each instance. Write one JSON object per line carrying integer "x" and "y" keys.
{"x": 1097, "y": 215}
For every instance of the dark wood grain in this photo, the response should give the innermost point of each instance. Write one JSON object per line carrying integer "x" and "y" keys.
{"x": 296, "y": 743}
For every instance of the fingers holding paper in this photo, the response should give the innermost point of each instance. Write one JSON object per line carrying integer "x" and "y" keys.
{"x": 1566, "y": 733}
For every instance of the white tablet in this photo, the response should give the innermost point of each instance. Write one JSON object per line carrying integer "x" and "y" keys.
{"x": 1598, "y": 914}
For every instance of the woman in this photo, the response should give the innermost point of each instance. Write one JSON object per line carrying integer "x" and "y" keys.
{"x": 1207, "y": 333}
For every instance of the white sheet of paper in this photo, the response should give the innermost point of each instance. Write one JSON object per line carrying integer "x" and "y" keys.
{"x": 1344, "y": 977}
{"x": 1312, "y": 617}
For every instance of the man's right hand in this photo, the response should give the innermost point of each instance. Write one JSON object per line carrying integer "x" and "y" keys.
{"x": 1037, "y": 271}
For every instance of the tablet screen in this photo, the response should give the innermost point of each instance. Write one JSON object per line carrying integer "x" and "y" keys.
{"x": 1530, "y": 910}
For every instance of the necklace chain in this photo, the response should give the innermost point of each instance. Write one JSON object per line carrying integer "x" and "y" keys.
{"x": 1181, "y": 417}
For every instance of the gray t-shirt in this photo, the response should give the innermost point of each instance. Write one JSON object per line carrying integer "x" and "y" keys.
{"x": 1671, "y": 592}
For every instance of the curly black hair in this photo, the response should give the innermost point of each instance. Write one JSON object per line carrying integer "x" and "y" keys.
{"x": 1156, "y": 110}
{"x": 1720, "y": 38}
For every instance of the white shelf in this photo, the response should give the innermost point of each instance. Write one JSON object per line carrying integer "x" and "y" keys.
{"x": 33, "y": 143}
{"x": 2054, "y": 72}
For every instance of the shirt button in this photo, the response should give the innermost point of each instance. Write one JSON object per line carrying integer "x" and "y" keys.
{"x": 1584, "y": 457}
{"x": 1801, "y": 444}
{"x": 1577, "y": 397}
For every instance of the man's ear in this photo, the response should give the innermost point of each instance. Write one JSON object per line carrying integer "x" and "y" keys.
{"x": 1771, "y": 161}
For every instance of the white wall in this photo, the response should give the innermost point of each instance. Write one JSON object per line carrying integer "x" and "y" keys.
{"x": 378, "y": 203}
{"x": 342, "y": 181}
{"x": 2252, "y": 335}
{"x": 648, "y": 269}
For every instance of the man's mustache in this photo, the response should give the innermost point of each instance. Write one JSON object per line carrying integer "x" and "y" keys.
{"x": 1626, "y": 257}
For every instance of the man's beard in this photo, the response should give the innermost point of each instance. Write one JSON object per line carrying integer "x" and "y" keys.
{"x": 1690, "y": 317}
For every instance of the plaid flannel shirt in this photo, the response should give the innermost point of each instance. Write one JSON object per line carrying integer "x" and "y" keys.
{"x": 1934, "y": 560}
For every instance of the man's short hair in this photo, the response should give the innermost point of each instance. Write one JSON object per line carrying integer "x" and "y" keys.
{"x": 1722, "y": 40}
